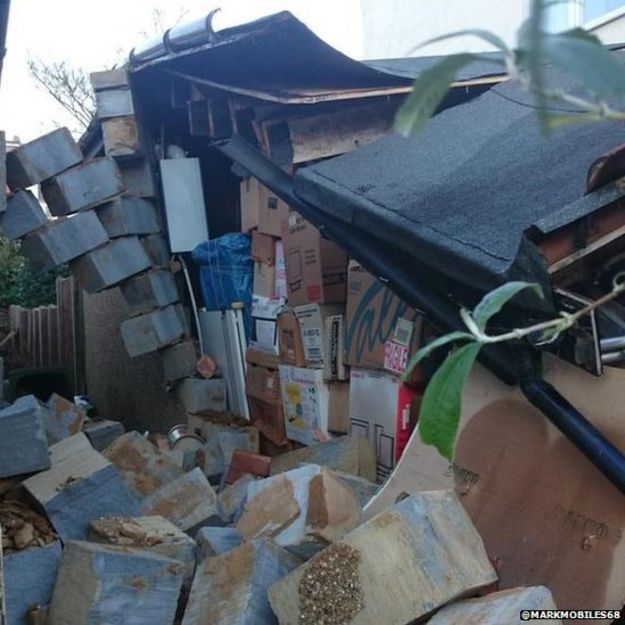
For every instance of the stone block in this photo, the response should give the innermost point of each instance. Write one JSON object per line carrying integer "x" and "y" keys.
{"x": 23, "y": 439}
{"x": 63, "y": 240}
{"x": 240, "y": 461}
{"x": 199, "y": 395}
{"x": 138, "y": 179}
{"x": 109, "y": 79}
{"x": 81, "y": 485}
{"x": 142, "y": 467}
{"x": 114, "y": 103}
{"x": 154, "y": 289}
{"x": 103, "y": 433}
{"x": 152, "y": 331}
{"x": 152, "y": 533}
{"x": 110, "y": 264}
{"x": 179, "y": 360}
{"x": 209, "y": 425}
{"x": 350, "y": 454}
{"x": 363, "y": 489}
{"x": 187, "y": 502}
{"x": 121, "y": 137}
{"x": 425, "y": 546}
{"x": 22, "y": 216}
{"x": 302, "y": 510}
{"x": 43, "y": 158}
{"x": 128, "y": 215}
{"x": 232, "y": 589}
{"x": 92, "y": 183}
{"x": 100, "y": 584}
{"x": 63, "y": 418}
{"x": 157, "y": 250}
{"x": 29, "y": 578}
{"x": 231, "y": 500}
{"x": 3, "y": 172}
{"x": 215, "y": 541}
{"x": 498, "y": 608}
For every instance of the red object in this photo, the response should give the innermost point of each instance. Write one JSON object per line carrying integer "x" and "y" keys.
{"x": 246, "y": 462}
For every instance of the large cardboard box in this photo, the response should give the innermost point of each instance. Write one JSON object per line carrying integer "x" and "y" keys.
{"x": 383, "y": 410}
{"x": 290, "y": 339}
{"x": 264, "y": 384}
{"x": 312, "y": 318}
{"x": 272, "y": 212}
{"x": 316, "y": 269}
{"x": 263, "y": 248}
{"x": 281, "y": 288}
{"x": 265, "y": 402}
{"x": 250, "y": 204}
{"x": 382, "y": 332}
{"x": 312, "y": 407}
{"x": 264, "y": 280}
{"x": 265, "y": 323}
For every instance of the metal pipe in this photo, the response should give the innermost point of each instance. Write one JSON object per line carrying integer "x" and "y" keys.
{"x": 612, "y": 357}
{"x": 612, "y": 344}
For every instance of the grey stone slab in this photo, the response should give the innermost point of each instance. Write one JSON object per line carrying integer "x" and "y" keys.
{"x": 103, "y": 433}
{"x": 215, "y": 541}
{"x": 128, "y": 215}
{"x": 87, "y": 185}
{"x": 152, "y": 331}
{"x": 155, "y": 289}
{"x": 199, "y": 395}
{"x": 3, "y": 173}
{"x": 179, "y": 361}
{"x": 110, "y": 264}
{"x": 157, "y": 249}
{"x": 43, "y": 158}
{"x": 23, "y": 439}
{"x": 29, "y": 578}
{"x": 114, "y": 103}
{"x": 138, "y": 178}
{"x": 109, "y": 79}
{"x": 64, "y": 240}
{"x": 100, "y": 584}
{"x": 231, "y": 500}
{"x": 80, "y": 486}
{"x": 63, "y": 418}
{"x": 23, "y": 215}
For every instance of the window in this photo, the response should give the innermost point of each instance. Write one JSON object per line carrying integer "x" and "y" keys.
{"x": 596, "y": 8}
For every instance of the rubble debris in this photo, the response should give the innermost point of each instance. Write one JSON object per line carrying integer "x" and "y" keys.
{"x": 22, "y": 216}
{"x": 188, "y": 501}
{"x": 364, "y": 490}
{"x": 199, "y": 395}
{"x": 215, "y": 541}
{"x": 244, "y": 462}
{"x": 128, "y": 215}
{"x": 231, "y": 589}
{"x": 147, "y": 291}
{"x": 22, "y": 527}
{"x": 497, "y": 608}
{"x": 152, "y": 331}
{"x": 23, "y": 439}
{"x": 232, "y": 498}
{"x": 141, "y": 466}
{"x": 81, "y": 485}
{"x": 425, "y": 546}
{"x": 179, "y": 360}
{"x": 103, "y": 433}
{"x": 100, "y": 583}
{"x": 210, "y": 423}
{"x": 63, "y": 418}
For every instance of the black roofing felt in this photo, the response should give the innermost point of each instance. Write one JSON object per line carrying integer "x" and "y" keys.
{"x": 461, "y": 196}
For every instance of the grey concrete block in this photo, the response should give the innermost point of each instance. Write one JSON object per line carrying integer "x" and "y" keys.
{"x": 110, "y": 264}
{"x": 109, "y": 79}
{"x": 155, "y": 289}
{"x": 187, "y": 502}
{"x": 29, "y": 578}
{"x": 152, "y": 331}
{"x": 231, "y": 589}
{"x": 128, "y": 215}
{"x": 63, "y": 418}
{"x": 157, "y": 250}
{"x": 87, "y": 185}
{"x": 121, "y": 137}
{"x": 199, "y": 395}
{"x": 80, "y": 486}
{"x": 23, "y": 439}
{"x": 23, "y": 215}
{"x": 138, "y": 178}
{"x": 64, "y": 240}
{"x": 215, "y": 541}
{"x": 231, "y": 500}
{"x": 100, "y": 584}
{"x": 103, "y": 433}
{"x": 3, "y": 173}
{"x": 179, "y": 360}
{"x": 114, "y": 103}
{"x": 43, "y": 158}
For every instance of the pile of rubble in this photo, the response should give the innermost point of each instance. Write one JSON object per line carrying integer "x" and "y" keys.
{"x": 198, "y": 528}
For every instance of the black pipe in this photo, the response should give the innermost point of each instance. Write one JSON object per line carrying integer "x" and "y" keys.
{"x": 369, "y": 252}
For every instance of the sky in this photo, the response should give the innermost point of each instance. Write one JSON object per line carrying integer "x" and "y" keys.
{"x": 96, "y": 34}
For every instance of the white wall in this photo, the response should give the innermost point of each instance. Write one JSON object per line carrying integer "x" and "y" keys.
{"x": 610, "y": 30}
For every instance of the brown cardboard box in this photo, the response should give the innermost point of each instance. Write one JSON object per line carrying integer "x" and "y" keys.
{"x": 316, "y": 269}
{"x": 264, "y": 279}
{"x": 382, "y": 332}
{"x": 263, "y": 384}
{"x": 250, "y": 204}
{"x": 269, "y": 419}
{"x": 272, "y": 212}
{"x": 312, "y": 318}
{"x": 263, "y": 248}
{"x": 290, "y": 340}
{"x": 261, "y": 358}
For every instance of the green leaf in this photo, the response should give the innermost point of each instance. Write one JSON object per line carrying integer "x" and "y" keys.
{"x": 494, "y": 301}
{"x": 442, "y": 401}
{"x": 428, "y": 92}
{"x": 490, "y": 38}
{"x": 424, "y": 352}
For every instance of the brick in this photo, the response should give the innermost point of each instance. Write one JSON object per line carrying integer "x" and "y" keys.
{"x": 426, "y": 546}
{"x": 244, "y": 462}
{"x": 145, "y": 292}
{"x": 128, "y": 215}
{"x": 199, "y": 395}
{"x": 22, "y": 216}
{"x": 232, "y": 498}
{"x": 188, "y": 501}
{"x": 110, "y": 264}
{"x": 302, "y": 510}
{"x": 157, "y": 250}
{"x": 41, "y": 159}
{"x": 215, "y": 541}
{"x": 64, "y": 240}
{"x": 92, "y": 183}
{"x": 109, "y": 79}
{"x": 103, "y": 433}
{"x": 138, "y": 179}
{"x": 29, "y": 578}
{"x": 63, "y": 418}
{"x": 179, "y": 361}
{"x": 107, "y": 584}
{"x": 231, "y": 589}
{"x": 142, "y": 467}
{"x": 23, "y": 439}
{"x": 114, "y": 103}
{"x": 81, "y": 485}
{"x": 152, "y": 331}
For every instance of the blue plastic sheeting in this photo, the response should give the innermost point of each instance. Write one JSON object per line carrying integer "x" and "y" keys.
{"x": 227, "y": 273}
